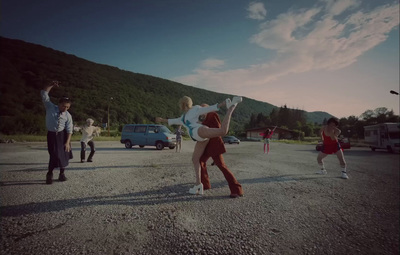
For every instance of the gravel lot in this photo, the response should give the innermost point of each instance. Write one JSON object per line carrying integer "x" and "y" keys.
{"x": 136, "y": 202}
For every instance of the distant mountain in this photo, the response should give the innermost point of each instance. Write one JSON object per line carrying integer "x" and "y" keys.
{"x": 317, "y": 117}
{"x": 137, "y": 98}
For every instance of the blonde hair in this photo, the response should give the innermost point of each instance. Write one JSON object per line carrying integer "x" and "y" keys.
{"x": 185, "y": 102}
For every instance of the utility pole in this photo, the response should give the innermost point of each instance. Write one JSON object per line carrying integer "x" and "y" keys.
{"x": 108, "y": 115}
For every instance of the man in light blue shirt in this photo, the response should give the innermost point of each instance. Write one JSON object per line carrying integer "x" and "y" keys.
{"x": 59, "y": 131}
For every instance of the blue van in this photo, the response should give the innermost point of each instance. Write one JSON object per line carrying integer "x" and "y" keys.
{"x": 148, "y": 135}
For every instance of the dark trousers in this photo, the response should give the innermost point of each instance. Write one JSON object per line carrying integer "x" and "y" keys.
{"x": 55, "y": 146}
{"x": 234, "y": 185}
{"x": 83, "y": 150}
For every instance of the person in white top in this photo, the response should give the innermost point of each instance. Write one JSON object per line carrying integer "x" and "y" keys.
{"x": 199, "y": 132}
{"x": 88, "y": 133}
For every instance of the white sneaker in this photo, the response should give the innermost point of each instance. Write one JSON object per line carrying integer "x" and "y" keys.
{"x": 344, "y": 175}
{"x": 197, "y": 189}
{"x": 322, "y": 171}
{"x": 228, "y": 103}
{"x": 234, "y": 101}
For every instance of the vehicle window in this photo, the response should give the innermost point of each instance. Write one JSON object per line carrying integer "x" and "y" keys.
{"x": 140, "y": 129}
{"x": 152, "y": 129}
{"x": 128, "y": 129}
{"x": 394, "y": 135}
{"x": 164, "y": 129}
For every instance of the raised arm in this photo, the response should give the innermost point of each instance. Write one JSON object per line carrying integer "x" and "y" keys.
{"x": 44, "y": 93}
{"x": 48, "y": 87}
{"x": 177, "y": 121}
{"x": 161, "y": 120}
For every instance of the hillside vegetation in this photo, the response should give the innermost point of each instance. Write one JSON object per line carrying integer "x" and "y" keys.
{"x": 137, "y": 98}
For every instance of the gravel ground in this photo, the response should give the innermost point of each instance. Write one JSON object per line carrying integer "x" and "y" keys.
{"x": 136, "y": 202}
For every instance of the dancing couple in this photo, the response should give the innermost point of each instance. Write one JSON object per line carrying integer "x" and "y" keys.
{"x": 199, "y": 132}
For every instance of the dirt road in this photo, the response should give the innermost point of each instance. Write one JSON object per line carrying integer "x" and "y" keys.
{"x": 136, "y": 202}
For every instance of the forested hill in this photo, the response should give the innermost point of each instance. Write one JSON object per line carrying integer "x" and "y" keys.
{"x": 137, "y": 98}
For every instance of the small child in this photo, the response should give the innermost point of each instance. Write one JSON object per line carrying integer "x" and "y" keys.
{"x": 266, "y": 137}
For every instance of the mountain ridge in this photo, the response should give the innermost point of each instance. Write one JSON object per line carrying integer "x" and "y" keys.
{"x": 137, "y": 98}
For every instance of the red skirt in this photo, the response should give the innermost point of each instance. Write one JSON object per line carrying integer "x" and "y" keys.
{"x": 331, "y": 148}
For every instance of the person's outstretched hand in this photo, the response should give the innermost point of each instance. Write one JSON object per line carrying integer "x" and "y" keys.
{"x": 51, "y": 85}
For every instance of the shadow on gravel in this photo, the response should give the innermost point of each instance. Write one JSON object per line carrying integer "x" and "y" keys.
{"x": 359, "y": 153}
{"x": 271, "y": 179}
{"x": 149, "y": 148}
{"x": 20, "y": 164}
{"x": 23, "y": 183}
{"x": 89, "y": 166}
{"x": 164, "y": 195}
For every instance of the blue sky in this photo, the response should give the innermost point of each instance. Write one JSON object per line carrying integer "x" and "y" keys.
{"x": 339, "y": 56}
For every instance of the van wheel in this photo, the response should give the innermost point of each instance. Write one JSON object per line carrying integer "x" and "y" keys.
{"x": 159, "y": 145}
{"x": 389, "y": 148}
{"x": 171, "y": 147}
{"x": 128, "y": 144}
{"x": 373, "y": 149}
{"x": 141, "y": 146}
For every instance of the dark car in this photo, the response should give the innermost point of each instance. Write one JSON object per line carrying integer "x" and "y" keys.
{"x": 344, "y": 143}
{"x": 230, "y": 139}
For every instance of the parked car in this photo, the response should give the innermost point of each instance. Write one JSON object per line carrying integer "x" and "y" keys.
{"x": 344, "y": 143}
{"x": 230, "y": 139}
{"x": 148, "y": 135}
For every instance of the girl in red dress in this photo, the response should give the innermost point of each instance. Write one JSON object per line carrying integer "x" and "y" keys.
{"x": 266, "y": 138}
{"x": 331, "y": 145}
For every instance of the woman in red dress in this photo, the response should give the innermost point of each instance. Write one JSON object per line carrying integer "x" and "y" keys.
{"x": 331, "y": 145}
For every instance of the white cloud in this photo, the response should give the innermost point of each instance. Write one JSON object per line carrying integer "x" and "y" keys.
{"x": 256, "y": 11}
{"x": 305, "y": 40}
{"x": 211, "y": 63}
{"x": 336, "y": 7}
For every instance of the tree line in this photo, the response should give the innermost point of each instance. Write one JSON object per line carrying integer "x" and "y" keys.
{"x": 284, "y": 117}
{"x": 294, "y": 119}
{"x": 353, "y": 127}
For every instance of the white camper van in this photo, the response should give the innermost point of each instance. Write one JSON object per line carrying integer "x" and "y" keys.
{"x": 383, "y": 136}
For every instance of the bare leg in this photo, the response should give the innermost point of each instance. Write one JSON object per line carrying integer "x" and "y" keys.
{"x": 320, "y": 158}
{"x": 340, "y": 156}
{"x": 206, "y": 132}
{"x": 197, "y": 153}
{"x": 267, "y": 148}
{"x": 265, "y": 145}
